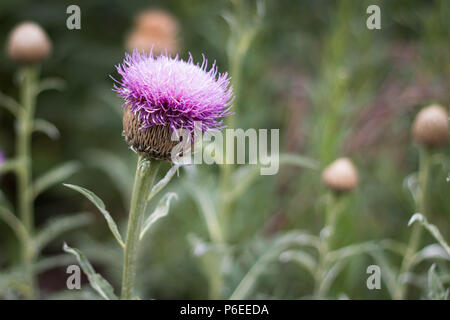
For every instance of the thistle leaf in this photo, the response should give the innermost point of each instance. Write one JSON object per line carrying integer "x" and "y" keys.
{"x": 431, "y": 228}
{"x": 351, "y": 250}
{"x": 14, "y": 223}
{"x": 302, "y": 258}
{"x": 10, "y": 104}
{"x": 9, "y": 165}
{"x": 46, "y": 127}
{"x": 100, "y": 206}
{"x": 161, "y": 211}
{"x": 54, "y": 176}
{"x": 58, "y": 226}
{"x": 51, "y": 84}
{"x": 97, "y": 282}
{"x": 163, "y": 182}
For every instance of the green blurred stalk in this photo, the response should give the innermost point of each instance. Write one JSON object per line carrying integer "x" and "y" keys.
{"x": 416, "y": 233}
{"x": 24, "y": 130}
{"x": 145, "y": 176}
{"x": 330, "y": 223}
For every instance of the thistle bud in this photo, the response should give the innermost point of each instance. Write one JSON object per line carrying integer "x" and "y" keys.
{"x": 430, "y": 128}
{"x": 341, "y": 175}
{"x": 28, "y": 43}
{"x": 154, "y": 142}
{"x": 154, "y": 30}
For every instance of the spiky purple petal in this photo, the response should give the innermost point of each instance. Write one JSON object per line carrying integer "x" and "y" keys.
{"x": 172, "y": 92}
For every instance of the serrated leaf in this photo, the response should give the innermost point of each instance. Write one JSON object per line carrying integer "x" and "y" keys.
{"x": 54, "y": 176}
{"x": 161, "y": 211}
{"x": 431, "y": 228}
{"x": 47, "y": 128}
{"x": 58, "y": 226}
{"x": 97, "y": 282}
{"x": 100, "y": 206}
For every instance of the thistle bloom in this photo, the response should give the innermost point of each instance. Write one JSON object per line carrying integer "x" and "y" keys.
{"x": 163, "y": 94}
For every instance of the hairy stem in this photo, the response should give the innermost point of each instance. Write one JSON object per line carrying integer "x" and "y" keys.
{"x": 145, "y": 176}
{"x": 416, "y": 233}
{"x": 24, "y": 130}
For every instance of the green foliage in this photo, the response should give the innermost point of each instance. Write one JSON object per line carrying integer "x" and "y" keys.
{"x": 101, "y": 207}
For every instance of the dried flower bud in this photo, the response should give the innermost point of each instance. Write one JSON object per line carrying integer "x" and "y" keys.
{"x": 430, "y": 128}
{"x": 341, "y": 175}
{"x": 154, "y": 29}
{"x": 154, "y": 142}
{"x": 28, "y": 43}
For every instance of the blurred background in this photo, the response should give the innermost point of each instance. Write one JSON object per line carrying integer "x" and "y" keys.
{"x": 332, "y": 87}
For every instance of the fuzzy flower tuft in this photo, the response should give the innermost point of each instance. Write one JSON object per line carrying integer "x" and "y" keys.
{"x": 170, "y": 92}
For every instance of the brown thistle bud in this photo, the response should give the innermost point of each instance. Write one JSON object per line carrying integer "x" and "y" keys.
{"x": 154, "y": 29}
{"x": 154, "y": 142}
{"x": 430, "y": 128}
{"x": 28, "y": 43}
{"x": 341, "y": 175}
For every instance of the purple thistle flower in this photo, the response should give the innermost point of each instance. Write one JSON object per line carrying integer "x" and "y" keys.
{"x": 170, "y": 92}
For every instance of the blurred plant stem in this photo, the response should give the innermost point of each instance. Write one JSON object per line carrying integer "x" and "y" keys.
{"x": 24, "y": 129}
{"x": 326, "y": 235}
{"x": 416, "y": 233}
{"x": 242, "y": 32}
{"x": 145, "y": 176}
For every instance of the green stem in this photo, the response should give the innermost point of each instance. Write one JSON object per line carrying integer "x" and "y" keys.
{"x": 416, "y": 233}
{"x": 24, "y": 170}
{"x": 145, "y": 176}
{"x": 325, "y": 244}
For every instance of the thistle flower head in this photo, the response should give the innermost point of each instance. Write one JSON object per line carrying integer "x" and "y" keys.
{"x": 341, "y": 175}
{"x": 163, "y": 94}
{"x": 28, "y": 43}
{"x": 430, "y": 128}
